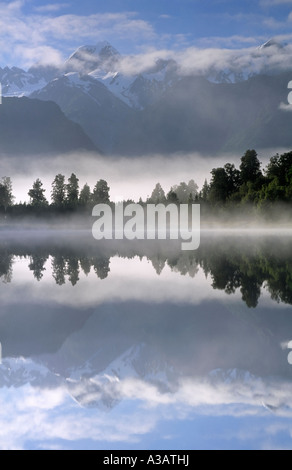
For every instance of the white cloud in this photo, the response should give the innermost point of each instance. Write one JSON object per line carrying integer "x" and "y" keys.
{"x": 20, "y": 32}
{"x": 26, "y": 39}
{"x": 52, "y": 7}
{"x": 43, "y": 416}
{"x": 201, "y": 61}
{"x": 195, "y": 60}
{"x": 40, "y": 416}
{"x": 43, "y": 55}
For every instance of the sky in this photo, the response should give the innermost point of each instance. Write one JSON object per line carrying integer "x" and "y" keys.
{"x": 38, "y": 31}
{"x": 200, "y": 35}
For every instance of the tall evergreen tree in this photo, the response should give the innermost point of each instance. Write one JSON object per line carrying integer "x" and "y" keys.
{"x": 218, "y": 186}
{"x": 101, "y": 193}
{"x": 72, "y": 191}
{"x": 37, "y": 265}
{"x": 6, "y": 195}
{"x": 205, "y": 191}
{"x": 250, "y": 168}
{"x": 158, "y": 195}
{"x": 59, "y": 191}
{"x": 85, "y": 196}
{"x": 59, "y": 269}
{"x": 37, "y": 195}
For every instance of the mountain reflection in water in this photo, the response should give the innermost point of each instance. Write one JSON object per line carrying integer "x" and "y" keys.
{"x": 148, "y": 333}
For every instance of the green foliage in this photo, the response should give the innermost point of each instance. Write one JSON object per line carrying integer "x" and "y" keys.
{"x": 72, "y": 192}
{"x": 229, "y": 188}
{"x": 280, "y": 167}
{"x": 59, "y": 191}
{"x": 278, "y": 183}
{"x": 6, "y": 196}
{"x": 101, "y": 193}
{"x": 250, "y": 168}
{"x": 85, "y": 196}
{"x": 204, "y": 193}
{"x": 37, "y": 196}
{"x": 224, "y": 184}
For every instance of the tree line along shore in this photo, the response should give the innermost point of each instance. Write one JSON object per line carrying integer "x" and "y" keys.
{"x": 229, "y": 188}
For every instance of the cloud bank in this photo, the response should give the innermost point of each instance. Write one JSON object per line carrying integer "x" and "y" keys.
{"x": 46, "y": 417}
{"x": 48, "y": 34}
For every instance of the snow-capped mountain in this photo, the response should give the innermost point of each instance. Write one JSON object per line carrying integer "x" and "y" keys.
{"x": 17, "y": 82}
{"x": 88, "y": 102}
{"x": 100, "y": 63}
{"x": 103, "y": 63}
{"x": 106, "y": 389}
{"x": 16, "y": 372}
{"x": 271, "y": 43}
{"x": 140, "y": 90}
{"x": 162, "y": 110}
{"x": 236, "y": 74}
{"x": 86, "y": 59}
{"x": 135, "y": 362}
{"x": 89, "y": 386}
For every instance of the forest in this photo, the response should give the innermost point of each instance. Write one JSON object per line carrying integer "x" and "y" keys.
{"x": 228, "y": 188}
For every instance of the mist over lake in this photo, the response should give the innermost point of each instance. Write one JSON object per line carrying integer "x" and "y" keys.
{"x": 145, "y": 335}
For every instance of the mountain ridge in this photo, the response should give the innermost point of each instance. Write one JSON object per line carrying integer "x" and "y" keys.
{"x": 30, "y": 126}
{"x": 161, "y": 110}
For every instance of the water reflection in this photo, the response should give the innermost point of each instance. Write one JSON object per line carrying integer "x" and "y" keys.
{"x": 233, "y": 263}
{"x": 165, "y": 342}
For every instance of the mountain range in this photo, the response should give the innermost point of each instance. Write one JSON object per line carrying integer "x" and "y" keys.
{"x": 104, "y": 390}
{"x": 160, "y": 110}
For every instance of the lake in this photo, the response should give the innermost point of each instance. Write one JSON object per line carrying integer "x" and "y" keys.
{"x": 139, "y": 345}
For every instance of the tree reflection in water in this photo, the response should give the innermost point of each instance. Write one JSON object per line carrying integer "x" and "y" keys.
{"x": 232, "y": 262}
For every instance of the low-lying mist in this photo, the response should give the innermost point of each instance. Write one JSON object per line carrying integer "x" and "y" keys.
{"x": 128, "y": 178}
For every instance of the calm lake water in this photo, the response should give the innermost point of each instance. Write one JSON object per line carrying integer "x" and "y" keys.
{"x": 143, "y": 346}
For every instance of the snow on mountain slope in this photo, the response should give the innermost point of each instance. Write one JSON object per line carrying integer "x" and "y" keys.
{"x": 103, "y": 63}
{"x": 271, "y": 43}
{"x": 139, "y": 90}
{"x": 102, "y": 389}
{"x": 15, "y": 372}
{"x": 260, "y": 56}
{"x": 87, "y": 385}
{"x": 134, "y": 363}
{"x": 100, "y": 63}
{"x": 17, "y": 82}
{"x": 88, "y": 58}
{"x": 105, "y": 389}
